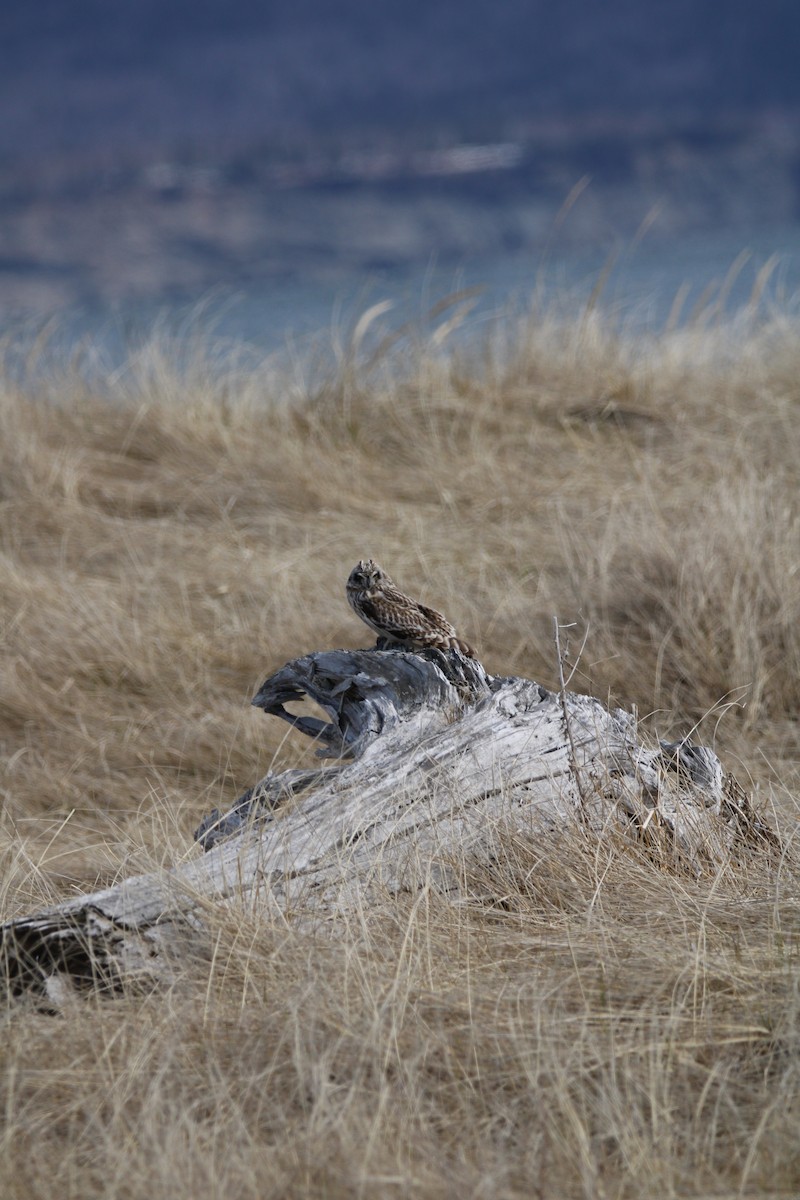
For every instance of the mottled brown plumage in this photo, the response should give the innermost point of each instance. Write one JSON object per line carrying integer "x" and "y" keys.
{"x": 395, "y": 616}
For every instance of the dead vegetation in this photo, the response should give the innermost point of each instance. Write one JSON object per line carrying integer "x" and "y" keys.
{"x": 582, "y": 1024}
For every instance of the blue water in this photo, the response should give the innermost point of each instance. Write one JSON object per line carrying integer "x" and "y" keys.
{"x": 649, "y": 285}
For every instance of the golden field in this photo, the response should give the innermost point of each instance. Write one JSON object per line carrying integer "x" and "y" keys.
{"x": 587, "y": 1025}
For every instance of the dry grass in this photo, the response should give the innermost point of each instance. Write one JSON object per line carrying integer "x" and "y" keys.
{"x": 579, "y": 1028}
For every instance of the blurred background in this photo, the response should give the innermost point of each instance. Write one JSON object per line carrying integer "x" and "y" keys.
{"x": 284, "y": 162}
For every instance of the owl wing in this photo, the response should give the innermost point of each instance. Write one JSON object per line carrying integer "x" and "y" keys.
{"x": 403, "y": 619}
{"x": 441, "y": 623}
{"x": 393, "y": 619}
{"x": 436, "y": 619}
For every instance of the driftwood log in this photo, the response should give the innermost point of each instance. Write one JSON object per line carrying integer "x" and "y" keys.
{"x": 426, "y": 752}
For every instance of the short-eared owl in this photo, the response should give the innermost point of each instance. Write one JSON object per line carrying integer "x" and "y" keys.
{"x": 397, "y": 617}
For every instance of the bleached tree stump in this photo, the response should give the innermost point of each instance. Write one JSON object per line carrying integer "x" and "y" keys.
{"x": 427, "y": 753}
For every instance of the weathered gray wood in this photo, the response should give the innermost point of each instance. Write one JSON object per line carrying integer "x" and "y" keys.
{"x": 430, "y": 751}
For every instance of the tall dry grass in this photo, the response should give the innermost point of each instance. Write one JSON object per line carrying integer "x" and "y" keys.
{"x": 582, "y": 1025}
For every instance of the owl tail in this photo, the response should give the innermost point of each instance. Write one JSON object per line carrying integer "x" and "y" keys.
{"x": 463, "y": 647}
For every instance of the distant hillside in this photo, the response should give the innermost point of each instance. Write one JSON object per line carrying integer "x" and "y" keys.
{"x": 129, "y": 80}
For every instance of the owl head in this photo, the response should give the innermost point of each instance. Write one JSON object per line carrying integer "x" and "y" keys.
{"x": 366, "y": 575}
